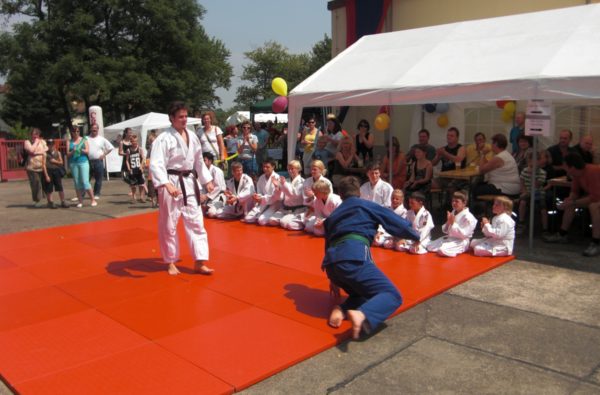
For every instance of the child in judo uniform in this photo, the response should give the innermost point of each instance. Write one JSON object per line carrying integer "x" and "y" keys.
{"x": 217, "y": 196}
{"x": 500, "y": 233}
{"x": 384, "y": 239}
{"x": 349, "y": 232}
{"x": 238, "y": 195}
{"x": 323, "y": 205}
{"x": 421, "y": 221}
{"x": 267, "y": 199}
{"x": 291, "y": 214}
{"x": 459, "y": 227}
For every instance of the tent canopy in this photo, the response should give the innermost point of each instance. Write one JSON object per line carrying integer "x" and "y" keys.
{"x": 542, "y": 55}
{"x": 143, "y": 123}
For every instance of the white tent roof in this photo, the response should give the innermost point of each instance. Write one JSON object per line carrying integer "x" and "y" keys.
{"x": 543, "y": 55}
{"x": 143, "y": 123}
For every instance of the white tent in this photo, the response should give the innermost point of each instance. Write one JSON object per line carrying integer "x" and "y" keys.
{"x": 237, "y": 118}
{"x": 141, "y": 125}
{"x": 543, "y": 55}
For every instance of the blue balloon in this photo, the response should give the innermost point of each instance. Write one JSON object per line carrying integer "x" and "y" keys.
{"x": 430, "y": 108}
{"x": 442, "y": 108}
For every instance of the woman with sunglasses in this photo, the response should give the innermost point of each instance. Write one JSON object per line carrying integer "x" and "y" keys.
{"x": 364, "y": 141}
{"x": 309, "y": 136}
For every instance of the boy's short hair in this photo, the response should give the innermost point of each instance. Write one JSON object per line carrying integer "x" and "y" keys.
{"x": 373, "y": 166}
{"x": 398, "y": 192}
{"x": 574, "y": 160}
{"x": 506, "y": 203}
{"x": 209, "y": 156}
{"x": 418, "y": 196}
{"x": 321, "y": 186}
{"x": 460, "y": 196}
{"x": 296, "y": 164}
{"x": 349, "y": 186}
{"x": 270, "y": 161}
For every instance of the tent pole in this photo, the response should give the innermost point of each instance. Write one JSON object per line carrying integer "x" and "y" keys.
{"x": 390, "y": 157}
{"x": 532, "y": 197}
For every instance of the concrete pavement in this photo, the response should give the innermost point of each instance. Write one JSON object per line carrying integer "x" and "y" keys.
{"x": 531, "y": 326}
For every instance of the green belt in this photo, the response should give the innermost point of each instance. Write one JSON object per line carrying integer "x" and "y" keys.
{"x": 350, "y": 236}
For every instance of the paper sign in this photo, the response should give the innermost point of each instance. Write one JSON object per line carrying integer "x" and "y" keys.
{"x": 537, "y": 121}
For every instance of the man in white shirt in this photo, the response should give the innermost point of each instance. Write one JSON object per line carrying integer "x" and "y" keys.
{"x": 376, "y": 190}
{"x": 99, "y": 148}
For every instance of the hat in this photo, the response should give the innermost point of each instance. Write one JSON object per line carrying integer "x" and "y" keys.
{"x": 418, "y": 196}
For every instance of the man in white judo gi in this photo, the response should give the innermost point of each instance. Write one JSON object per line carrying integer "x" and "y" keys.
{"x": 176, "y": 166}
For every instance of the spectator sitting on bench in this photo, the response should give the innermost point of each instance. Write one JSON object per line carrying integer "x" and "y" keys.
{"x": 501, "y": 172}
{"x": 586, "y": 177}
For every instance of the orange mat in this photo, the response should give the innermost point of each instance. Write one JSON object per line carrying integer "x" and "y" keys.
{"x": 90, "y": 308}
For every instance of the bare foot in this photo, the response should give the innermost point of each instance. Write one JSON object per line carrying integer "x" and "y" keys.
{"x": 173, "y": 271}
{"x": 336, "y": 317}
{"x": 201, "y": 268}
{"x": 357, "y": 318}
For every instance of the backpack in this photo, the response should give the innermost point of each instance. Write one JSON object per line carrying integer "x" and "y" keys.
{"x": 23, "y": 156}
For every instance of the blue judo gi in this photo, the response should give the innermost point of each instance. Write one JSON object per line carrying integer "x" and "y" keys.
{"x": 349, "y": 232}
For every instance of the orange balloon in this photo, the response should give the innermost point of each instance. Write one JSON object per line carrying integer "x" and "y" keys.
{"x": 442, "y": 121}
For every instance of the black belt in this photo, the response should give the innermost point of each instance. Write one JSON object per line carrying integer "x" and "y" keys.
{"x": 292, "y": 208}
{"x": 186, "y": 173}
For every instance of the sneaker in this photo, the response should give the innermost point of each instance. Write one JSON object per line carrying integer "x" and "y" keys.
{"x": 75, "y": 199}
{"x": 38, "y": 204}
{"x": 79, "y": 205}
{"x": 94, "y": 204}
{"x": 96, "y": 197}
{"x": 52, "y": 205}
{"x": 557, "y": 238}
{"x": 64, "y": 204}
{"x": 592, "y": 250}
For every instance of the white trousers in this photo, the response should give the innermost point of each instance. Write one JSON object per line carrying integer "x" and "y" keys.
{"x": 488, "y": 247}
{"x": 170, "y": 209}
{"x": 448, "y": 246}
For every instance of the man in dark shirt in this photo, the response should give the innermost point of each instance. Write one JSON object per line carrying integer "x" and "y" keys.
{"x": 585, "y": 148}
{"x": 558, "y": 152}
{"x": 349, "y": 233}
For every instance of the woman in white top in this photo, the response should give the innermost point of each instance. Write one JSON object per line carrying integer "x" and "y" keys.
{"x": 211, "y": 137}
{"x": 501, "y": 172}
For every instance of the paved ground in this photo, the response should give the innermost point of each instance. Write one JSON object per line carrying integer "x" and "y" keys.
{"x": 530, "y": 326}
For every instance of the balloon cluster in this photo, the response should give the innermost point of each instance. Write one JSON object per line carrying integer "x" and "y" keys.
{"x": 508, "y": 108}
{"x": 279, "y": 86}
{"x": 382, "y": 120}
{"x": 440, "y": 108}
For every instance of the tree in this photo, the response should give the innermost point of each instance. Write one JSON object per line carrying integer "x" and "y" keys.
{"x": 128, "y": 56}
{"x": 273, "y": 60}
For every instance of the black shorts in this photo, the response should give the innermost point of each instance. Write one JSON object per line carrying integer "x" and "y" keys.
{"x": 55, "y": 183}
{"x": 136, "y": 179}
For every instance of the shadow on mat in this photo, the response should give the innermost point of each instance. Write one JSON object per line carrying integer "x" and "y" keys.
{"x": 135, "y": 268}
{"x": 311, "y": 301}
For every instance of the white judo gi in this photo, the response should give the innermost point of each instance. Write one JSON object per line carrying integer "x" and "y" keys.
{"x": 499, "y": 237}
{"x": 169, "y": 152}
{"x": 291, "y": 214}
{"x": 383, "y": 238}
{"x": 381, "y": 193}
{"x": 217, "y": 196}
{"x": 320, "y": 211}
{"x": 422, "y": 222}
{"x": 308, "y": 183}
{"x": 270, "y": 201}
{"x": 243, "y": 193}
{"x": 458, "y": 235}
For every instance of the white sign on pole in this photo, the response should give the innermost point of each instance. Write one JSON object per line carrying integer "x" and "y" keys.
{"x": 537, "y": 122}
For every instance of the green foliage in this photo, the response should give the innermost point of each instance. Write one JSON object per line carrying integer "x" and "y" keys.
{"x": 273, "y": 60}
{"x": 19, "y": 132}
{"x": 128, "y": 56}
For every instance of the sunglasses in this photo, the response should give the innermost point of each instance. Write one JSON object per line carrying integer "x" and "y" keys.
{"x": 363, "y": 126}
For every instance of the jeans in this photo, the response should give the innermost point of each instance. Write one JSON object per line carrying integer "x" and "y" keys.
{"x": 97, "y": 171}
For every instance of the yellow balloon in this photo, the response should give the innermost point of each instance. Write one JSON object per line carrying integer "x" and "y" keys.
{"x": 442, "y": 121}
{"x": 279, "y": 86}
{"x": 382, "y": 122}
{"x": 507, "y": 116}
{"x": 510, "y": 107}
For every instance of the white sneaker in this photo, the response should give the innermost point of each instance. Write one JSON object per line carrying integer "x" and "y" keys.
{"x": 79, "y": 205}
{"x": 75, "y": 199}
{"x": 96, "y": 197}
{"x": 94, "y": 204}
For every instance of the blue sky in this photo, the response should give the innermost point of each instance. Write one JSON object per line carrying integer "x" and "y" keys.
{"x": 244, "y": 25}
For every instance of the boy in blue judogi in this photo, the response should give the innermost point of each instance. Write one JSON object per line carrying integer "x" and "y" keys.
{"x": 349, "y": 233}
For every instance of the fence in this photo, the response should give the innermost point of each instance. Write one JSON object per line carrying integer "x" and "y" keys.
{"x": 11, "y": 152}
